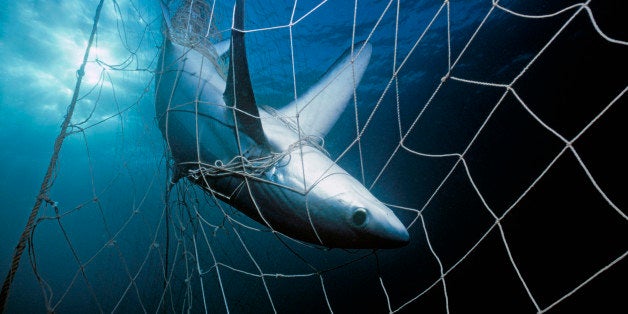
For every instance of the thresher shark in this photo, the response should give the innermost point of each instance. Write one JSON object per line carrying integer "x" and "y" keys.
{"x": 260, "y": 161}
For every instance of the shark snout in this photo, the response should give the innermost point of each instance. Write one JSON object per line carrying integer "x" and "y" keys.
{"x": 394, "y": 234}
{"x": 382, "y": 229}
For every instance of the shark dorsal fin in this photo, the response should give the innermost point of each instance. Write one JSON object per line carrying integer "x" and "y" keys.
{"x": 239, "y": 91}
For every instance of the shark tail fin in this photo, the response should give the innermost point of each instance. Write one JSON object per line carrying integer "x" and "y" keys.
{"x": 166, "y": 15}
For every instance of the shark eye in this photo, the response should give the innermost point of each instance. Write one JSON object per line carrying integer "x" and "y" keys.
{"x": 359, "y": 217}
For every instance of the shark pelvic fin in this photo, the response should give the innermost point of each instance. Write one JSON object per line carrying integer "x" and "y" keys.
{"x": 239, "y": 91}
{"x": 321, "y": 106}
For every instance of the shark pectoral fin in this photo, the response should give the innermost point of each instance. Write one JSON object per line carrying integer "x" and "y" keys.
{"x": 239, "y": 91}
{"x": 321, "y": 106}
{"x": 222, "y": 47}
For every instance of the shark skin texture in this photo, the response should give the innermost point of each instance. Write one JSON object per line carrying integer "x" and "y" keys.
{"x": 264, "y": 162}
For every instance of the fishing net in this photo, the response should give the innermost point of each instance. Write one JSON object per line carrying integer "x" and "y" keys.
{"x": 491, "y": 128}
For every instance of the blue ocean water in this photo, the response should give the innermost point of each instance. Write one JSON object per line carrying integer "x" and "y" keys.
{"x": 110, "y": 182}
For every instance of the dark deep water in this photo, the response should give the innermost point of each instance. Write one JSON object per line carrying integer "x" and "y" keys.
{"x": 111, "y": 177}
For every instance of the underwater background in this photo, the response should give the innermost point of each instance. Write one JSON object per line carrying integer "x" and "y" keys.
{"x": 493, "y": 129}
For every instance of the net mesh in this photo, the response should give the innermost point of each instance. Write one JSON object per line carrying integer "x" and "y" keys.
{"x": 491, "y": 128}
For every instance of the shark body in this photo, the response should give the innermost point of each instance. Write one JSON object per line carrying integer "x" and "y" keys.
{"x": 264, "y": 163}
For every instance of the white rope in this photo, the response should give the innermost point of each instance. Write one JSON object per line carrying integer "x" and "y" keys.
{"x": 206, "y": 230}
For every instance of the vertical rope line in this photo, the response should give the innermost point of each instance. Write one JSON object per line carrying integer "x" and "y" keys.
{"x": 45, "y": 185}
